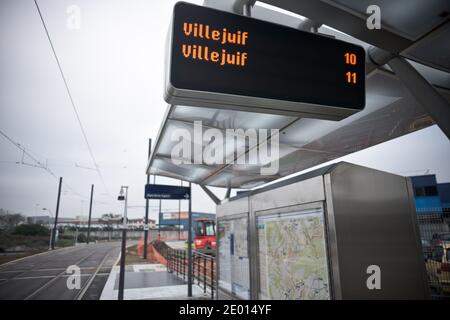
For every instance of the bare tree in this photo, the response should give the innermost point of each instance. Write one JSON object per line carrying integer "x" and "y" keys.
{"x": 11, "y": 220}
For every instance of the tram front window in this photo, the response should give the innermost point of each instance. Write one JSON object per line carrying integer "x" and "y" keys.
{"x": 199, "y": 229}
{"x": 210, "y": 229}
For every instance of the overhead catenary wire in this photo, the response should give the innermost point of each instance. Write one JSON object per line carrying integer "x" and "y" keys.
{"x": 40, "y": 165}
{"x": 97, "y": 169}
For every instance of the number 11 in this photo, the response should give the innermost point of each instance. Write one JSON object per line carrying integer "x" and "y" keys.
{"x": 351, "y": 77}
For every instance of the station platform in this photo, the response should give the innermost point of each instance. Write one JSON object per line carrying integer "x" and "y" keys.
{"x": 149, "y": 282}
{"x": 177, "y": 244}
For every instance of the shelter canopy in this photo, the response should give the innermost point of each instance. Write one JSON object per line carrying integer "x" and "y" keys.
{"x": 419, "y": 34}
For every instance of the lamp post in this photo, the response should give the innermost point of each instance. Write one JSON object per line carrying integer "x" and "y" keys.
{"x": 124, "y": 241}
{"x": 190, "y": 246}
{"x": 146, "y": 206}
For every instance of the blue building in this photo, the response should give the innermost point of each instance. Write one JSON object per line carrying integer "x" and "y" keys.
{"x": 173, "y": 219}
{"x": 426, "y": 195}
{"x": 432, "y": 202}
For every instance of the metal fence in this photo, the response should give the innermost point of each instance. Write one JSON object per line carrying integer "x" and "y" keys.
{"x": 435, "y": 235}
{"x": 203, "y": 268}
{"x": 111, "y": 235}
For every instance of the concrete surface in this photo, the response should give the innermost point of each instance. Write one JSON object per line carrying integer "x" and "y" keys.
{"x": 150, "y": 281}
{"x": 44, "y": 277}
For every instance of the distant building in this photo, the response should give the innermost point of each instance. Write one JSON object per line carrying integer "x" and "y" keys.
{"x": 139, "y": 223}
{"x": 83, "y": 221}
{"x": 44, "y": 220}
{"x": 426, "y": 195}
{"x": 80, "y": 221}
{"x": 136, "y": 223}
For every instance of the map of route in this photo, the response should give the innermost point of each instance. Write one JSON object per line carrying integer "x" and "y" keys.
{"x": 233, "y": 255}
{"x": 293, "y": 260}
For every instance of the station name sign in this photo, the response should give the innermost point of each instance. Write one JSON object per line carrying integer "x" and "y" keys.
{"x": 168, "y": 192}
{"x": 223, "y": 60}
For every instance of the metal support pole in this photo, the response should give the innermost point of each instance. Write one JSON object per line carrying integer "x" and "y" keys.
{"x": 124, "y": 247}
{"x": 190, "y": 245}
{"x": 179, "y": 216}
{"x": 159, "y": 222}
{"x": 50, "y": 238}
{"x": 227, "y": 195}
{"x": 247, "y": 9}
{"x": 146, "y": 206}
{"x": 56, "y": 215}
{"x": 90, "y": 215}
{"x": 122, "y": 264}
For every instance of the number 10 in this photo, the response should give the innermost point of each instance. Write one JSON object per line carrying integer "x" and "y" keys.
{"x": 350, "y": 58}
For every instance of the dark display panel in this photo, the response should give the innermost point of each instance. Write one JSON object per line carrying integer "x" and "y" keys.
{"x": 221, "y": 52}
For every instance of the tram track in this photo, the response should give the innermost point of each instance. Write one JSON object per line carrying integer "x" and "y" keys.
{"x": 45, "y": 276}
{"x": 56, "y": 278}
{"x": 88, "y": 283}
{"x": 23, "y": 272}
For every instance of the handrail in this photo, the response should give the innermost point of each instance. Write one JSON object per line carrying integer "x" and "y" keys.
{"x": 203, "y": 266}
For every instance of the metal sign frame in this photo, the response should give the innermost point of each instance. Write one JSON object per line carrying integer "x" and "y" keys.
{"x": 208, "y": 99}
{"x": 176, "y": 193}
{"x": 166, "y": 192}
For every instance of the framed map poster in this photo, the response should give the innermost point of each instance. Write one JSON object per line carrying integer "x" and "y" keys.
{"x": 292, "y": 256}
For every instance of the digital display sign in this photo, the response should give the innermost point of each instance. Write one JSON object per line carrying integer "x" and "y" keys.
{"x": 224, "y": 60}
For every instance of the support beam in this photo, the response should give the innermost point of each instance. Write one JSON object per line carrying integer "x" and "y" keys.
{"x": 424, "y": 92}
{"x": 309, "y": 25}
{"x": 377, "y": 58}
{"x": 351, "y": 23}
{"x": 235, "y": 6}
{"x": 427, "y": 95}
{"x": 210, "y": 194}
{"x": 227, "y": 195}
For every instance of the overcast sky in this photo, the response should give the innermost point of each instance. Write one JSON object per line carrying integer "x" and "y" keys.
{"x": 114, "y": 68}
